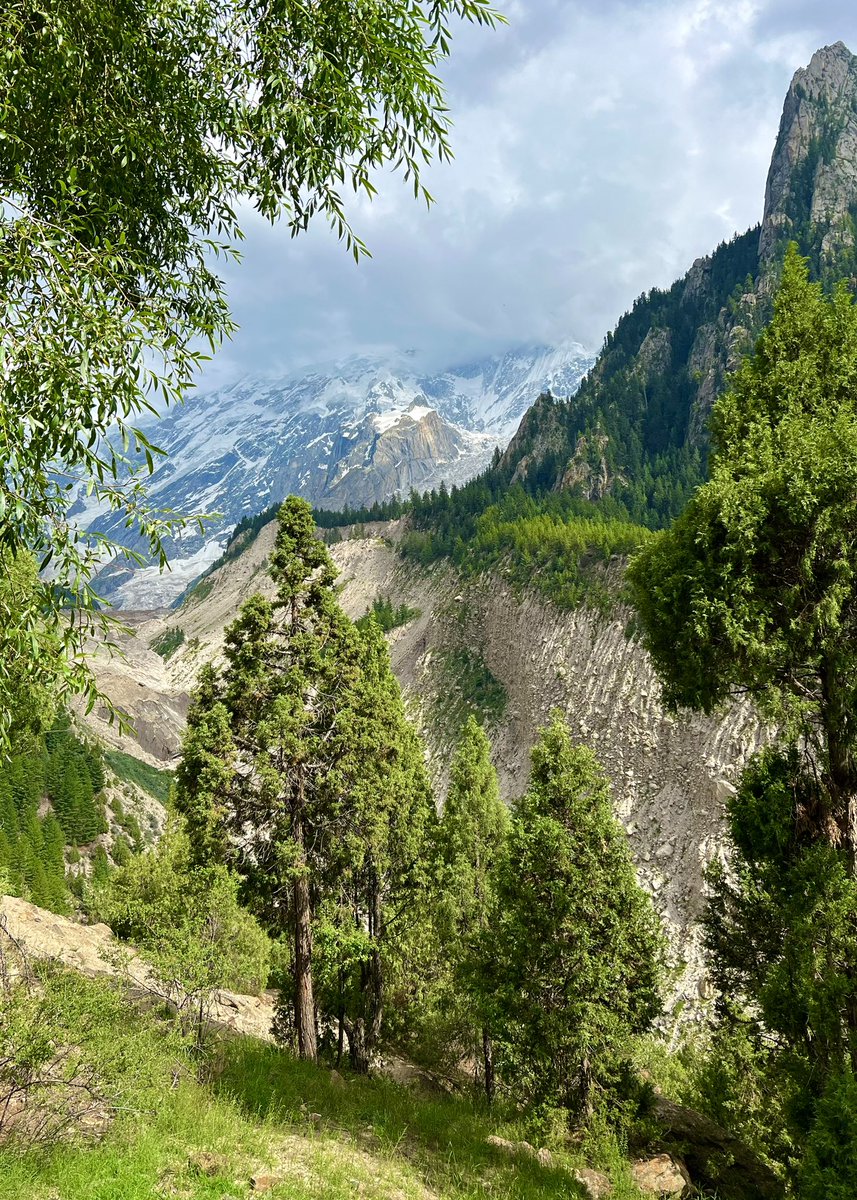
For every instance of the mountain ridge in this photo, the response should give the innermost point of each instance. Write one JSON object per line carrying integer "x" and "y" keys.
{"x": 636, "y": 430}
{"x": 355, "y": 434}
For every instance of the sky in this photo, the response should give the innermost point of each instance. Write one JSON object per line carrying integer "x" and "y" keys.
{"x": 600, "y": 147}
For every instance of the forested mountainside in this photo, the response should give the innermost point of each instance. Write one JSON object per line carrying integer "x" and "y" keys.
{"x": 632, "y": 443}
{"x": 69, "y": 810}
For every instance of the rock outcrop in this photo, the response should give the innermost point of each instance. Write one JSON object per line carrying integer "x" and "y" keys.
{"x": 92, "y": 950}
{"x": 812, "y": 182}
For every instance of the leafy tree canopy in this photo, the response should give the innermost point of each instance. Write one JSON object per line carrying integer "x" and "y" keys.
{"x": 130, "y": 131}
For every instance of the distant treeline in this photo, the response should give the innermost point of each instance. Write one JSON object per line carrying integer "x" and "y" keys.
{"x": 59, "y": 773}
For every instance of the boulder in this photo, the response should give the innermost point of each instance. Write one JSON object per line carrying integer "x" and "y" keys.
{"x": 717, "y": 1160}
{"x": 595, "y": 1184}
{"x": 662, "y": 1175}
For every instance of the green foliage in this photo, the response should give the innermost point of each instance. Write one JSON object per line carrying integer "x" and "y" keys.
{"x": 754, "y": 591}
{"x": 639, "y": 419}
{"x": 780, "y": 934}
{"x": 199, "y": 592}
{"x": 556, "y": 544}
{"x": 377, "y": 872}
{"x": 387, "y": 615}
{"x": 755, "y": 586}
{"x": 471, "y": 839}
{"x": 829, "y": 1167}
{"x": 471, "y": 835}
{"x": 207, "y": 1140}
{"x": 300, "y": 767}
{"x": 728, "y": 1073}
{"x": 168, "y": 642}
{"x": 204, "y": 773}
{"x": 30, "y": 660}
{"x": 130, "y": 133}
{"x": 74, "y": 779}
{"x": 186, "y": 920}
{"x": 468, "y": 687}
{"x": 572, "y": 962}
{"x": 62, "y": 769}
{"x": 73, "y": 1053}
{"x": 155, "y": 780}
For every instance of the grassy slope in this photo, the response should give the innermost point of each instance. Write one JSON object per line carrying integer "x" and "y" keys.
{"x": 324, "y": 1139}
{"x": 154, "y": 780}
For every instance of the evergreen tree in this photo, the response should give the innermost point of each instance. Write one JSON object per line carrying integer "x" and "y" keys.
{"x": 574, "y": 953}
{"x": 375, "y": 870}
{"x": 300, "y": 763}
{"x": 204, "y": 773}
{"x": 754, "y": 592}
{"x": 754, "y": 588}
{"x": 471, "y": 840}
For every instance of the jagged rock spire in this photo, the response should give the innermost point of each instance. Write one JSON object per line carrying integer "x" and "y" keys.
{"x": 812, "y": 182}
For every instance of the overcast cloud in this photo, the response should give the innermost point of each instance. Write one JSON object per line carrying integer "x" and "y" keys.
{"x": 600, "y": 147}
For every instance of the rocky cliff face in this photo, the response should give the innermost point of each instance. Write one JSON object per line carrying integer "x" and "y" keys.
{"x": 812, "y": 183}
{"x": 670, "y": 775}
{"x": 653, "y": 386}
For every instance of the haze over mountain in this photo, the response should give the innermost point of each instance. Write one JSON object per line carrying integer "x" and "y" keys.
{"x": 350, "y": 433}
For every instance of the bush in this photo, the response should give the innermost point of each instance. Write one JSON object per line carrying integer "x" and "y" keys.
{"x": 829, "y": 1168}
{"x": 72, "y": 1054}
{"x": 185, "y": 920}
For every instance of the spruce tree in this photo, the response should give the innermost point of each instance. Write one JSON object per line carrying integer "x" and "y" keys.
{"x": 573, "y": 962}
{"x": 471, "y": 841}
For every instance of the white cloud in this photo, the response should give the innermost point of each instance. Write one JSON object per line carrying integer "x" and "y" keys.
{"x": 600, "y": 147}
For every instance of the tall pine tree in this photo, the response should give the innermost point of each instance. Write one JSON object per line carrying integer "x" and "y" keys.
{"x": 574, "y": 963}
{"x": 300, "y": 764}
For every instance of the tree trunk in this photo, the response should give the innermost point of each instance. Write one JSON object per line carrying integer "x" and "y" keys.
{"x": 488, "y": 1059}
{"x": 840, "y": 779}
{"x": 375, "y": 1007}
{"x": 304, "y": 999}
{"x": 340, "y": 1035}
{"x": 364, "y": 1031}
{"x": 359, "y": 1053}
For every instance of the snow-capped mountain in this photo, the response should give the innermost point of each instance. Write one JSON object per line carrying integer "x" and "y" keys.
{"x": 352, "y": 433}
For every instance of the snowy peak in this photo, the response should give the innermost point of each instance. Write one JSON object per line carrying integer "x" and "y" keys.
{"x": 357, "y": 432}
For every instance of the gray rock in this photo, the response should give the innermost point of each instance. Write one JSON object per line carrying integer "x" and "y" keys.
{"x": 661, "y": 1176}
{"x": 595, "y": 1184}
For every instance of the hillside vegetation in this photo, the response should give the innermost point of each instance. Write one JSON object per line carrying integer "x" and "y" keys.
{"x": 258, "y": 1121}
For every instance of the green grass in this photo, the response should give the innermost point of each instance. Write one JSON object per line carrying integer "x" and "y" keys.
{"x": 323, "y": 1139}
{"x": 154, "y": 780}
